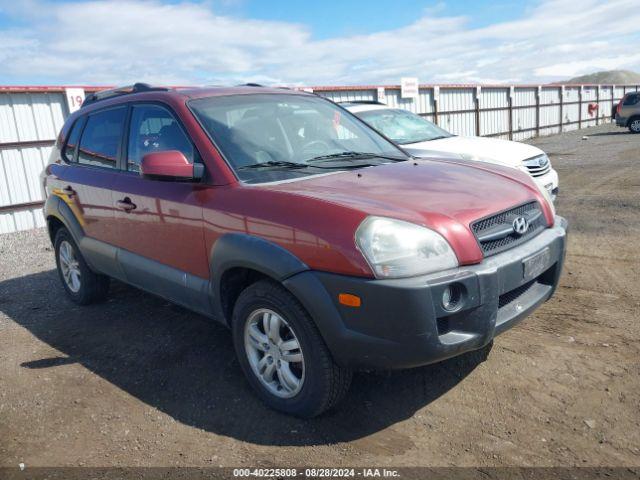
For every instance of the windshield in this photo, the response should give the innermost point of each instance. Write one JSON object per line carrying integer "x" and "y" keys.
{"x": 271, "y": 137}
{"x": 401, "y": 126}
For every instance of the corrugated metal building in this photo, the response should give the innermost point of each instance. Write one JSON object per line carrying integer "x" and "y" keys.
{"x": 31, "y": 117}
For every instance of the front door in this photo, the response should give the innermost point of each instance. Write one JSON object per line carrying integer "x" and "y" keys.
{"x": 159, "y": 223}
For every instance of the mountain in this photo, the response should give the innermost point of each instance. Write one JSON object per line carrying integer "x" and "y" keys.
{"x": 616, "y": 77}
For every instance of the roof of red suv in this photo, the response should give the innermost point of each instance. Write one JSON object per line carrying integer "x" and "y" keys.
{"x": 200, "y": 92}
{"x": 131, "y": 92}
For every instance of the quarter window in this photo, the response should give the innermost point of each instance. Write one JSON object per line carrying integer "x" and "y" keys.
{"x": 101, "y": 138}
{"x": 632, "y": 99}
{"x": 154, "y": 129}
{"x": 69, "y": 151}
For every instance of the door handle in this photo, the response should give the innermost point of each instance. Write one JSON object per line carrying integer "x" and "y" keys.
{"x": 125, "y": 204}
{"x": 68, "y": 191}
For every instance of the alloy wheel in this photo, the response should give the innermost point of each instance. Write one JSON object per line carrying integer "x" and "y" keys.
{"x": 274, "y": 353}
{"x": 69, "y": 266}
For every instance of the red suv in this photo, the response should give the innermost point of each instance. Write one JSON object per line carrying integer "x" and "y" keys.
{"x": 322, "y": 245}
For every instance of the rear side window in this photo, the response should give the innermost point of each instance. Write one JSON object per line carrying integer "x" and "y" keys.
{"x": 154, "y": 129}
{"x": 101, "y": 138}
{"x": 69, "y": 152}
{"x": 631, "y": 99}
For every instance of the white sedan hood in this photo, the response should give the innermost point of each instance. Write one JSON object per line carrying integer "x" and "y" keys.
{"x": 503, "y": 152}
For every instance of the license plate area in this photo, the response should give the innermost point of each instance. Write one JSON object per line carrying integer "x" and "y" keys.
{"x": 537, "y": 263}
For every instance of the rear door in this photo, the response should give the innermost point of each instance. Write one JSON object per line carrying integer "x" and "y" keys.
{"x": 159, "y": 223}
{"x": 84, "y": 181}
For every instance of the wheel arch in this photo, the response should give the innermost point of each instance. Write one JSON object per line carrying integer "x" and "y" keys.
{"x": 58, "y": 214}
{"x": 239, "y": 260}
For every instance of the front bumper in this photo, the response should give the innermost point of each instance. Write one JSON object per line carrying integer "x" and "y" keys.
{"x": 402, "y": 323}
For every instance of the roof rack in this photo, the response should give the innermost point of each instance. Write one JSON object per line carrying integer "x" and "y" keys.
{"x": 249, "y": 85}
{"x": 116, "y": 92}
{"x": 362, "y": 102}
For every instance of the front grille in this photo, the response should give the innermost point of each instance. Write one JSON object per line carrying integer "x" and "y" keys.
{"x": 496, "y": 234}
{"x": 538, "y": 171}
{"x": 538, "y": 165}
{"x": 513, "y": 295}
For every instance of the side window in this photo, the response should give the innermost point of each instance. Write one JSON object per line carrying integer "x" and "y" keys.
{"x": 69, "y": 151}
{"x": 101, "y": 138}
{"x": 632, "y": 99}
{"x": 154, "y": 129}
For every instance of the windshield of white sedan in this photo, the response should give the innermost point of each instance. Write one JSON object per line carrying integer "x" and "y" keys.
{"x": 403, "y": 127}
{"x": 271, "y": 137}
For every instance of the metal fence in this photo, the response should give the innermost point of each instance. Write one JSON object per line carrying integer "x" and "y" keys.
{"x": 509, "y": 112}
{"x": 31, "y": 117}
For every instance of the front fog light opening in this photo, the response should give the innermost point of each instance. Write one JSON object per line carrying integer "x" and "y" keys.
{"x": 452, "y": 297}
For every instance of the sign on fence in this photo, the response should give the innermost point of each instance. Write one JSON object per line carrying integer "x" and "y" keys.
{"x": 409, "y": 87}
{"x": 75, "y": 97}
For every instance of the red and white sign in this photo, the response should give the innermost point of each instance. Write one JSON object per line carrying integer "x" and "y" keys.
{"x": 409, "y": 87}
{"x": 75, "y": 97}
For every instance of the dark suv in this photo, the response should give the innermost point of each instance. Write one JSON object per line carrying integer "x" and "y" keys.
{"x": 322, "y": 245}
{"x": 628, "y": 112}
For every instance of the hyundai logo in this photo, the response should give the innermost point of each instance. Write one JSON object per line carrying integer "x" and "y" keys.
{"x": 520, "y": 225}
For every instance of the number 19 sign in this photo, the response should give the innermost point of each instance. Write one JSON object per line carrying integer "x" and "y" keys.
{"x": 75, "y": 97}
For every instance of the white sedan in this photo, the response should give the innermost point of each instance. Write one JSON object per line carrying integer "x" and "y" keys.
{"x": 422, "y": 138}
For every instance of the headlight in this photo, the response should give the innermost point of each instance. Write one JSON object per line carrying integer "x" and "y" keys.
{"x": 547, "y": 196}
{"x": 539, "y": 161}
{"x": 394, "y": 248}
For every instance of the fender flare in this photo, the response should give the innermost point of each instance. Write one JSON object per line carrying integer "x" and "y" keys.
{"x": 239, "y": 250}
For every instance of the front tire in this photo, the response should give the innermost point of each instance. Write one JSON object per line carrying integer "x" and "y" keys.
{"x": 282, "y": 353}
{"x": 81, "y": 284}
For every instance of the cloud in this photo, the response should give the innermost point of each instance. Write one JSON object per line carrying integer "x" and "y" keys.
{"x": 121, "y": 41}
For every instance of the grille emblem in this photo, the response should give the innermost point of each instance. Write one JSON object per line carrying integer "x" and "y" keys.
{"x": 520, "y": 225}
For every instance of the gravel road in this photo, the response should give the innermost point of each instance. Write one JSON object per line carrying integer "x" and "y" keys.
{"x": 137, "y": 381}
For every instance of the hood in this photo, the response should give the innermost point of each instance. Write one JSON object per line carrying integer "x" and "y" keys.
{"x": 491, "y": 150}
{"x": 446, "y": 196}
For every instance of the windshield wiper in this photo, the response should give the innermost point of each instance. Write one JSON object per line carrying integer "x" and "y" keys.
{"x": 274, "y": 164}
{"x": 349, "y": 155}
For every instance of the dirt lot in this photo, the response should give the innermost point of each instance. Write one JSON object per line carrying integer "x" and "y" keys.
{"x": 137, "y": 381}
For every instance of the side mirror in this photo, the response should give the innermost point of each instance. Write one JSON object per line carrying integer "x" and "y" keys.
{"x": 170, "y": 165}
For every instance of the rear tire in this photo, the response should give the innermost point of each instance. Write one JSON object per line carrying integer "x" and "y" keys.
{"x": 634, "y": 125}
{"x": 81, "y": 284}
{"x": 264, "y": 312}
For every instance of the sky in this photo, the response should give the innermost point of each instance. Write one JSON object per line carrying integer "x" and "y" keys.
{"x": 312, "y": 42}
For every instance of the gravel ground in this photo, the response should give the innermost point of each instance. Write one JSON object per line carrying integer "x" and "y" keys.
{"x": 139, "y": 382}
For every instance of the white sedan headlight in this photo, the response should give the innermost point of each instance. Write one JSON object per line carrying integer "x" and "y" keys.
{"x": 547, "y": 196}
{"x": 394, "y": 248}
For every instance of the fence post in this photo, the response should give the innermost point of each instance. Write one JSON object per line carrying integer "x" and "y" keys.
{"x": 538, "y": 93}
{"x": 436, "y": 95}
{"x": 613, "y": 102}
{"x": 580, "y": 107}
{"x": 561, "y": 107}
{"x": 598, "y": 104}
{"x": 478, "y": 90}
{"x": 511, "y": 112}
